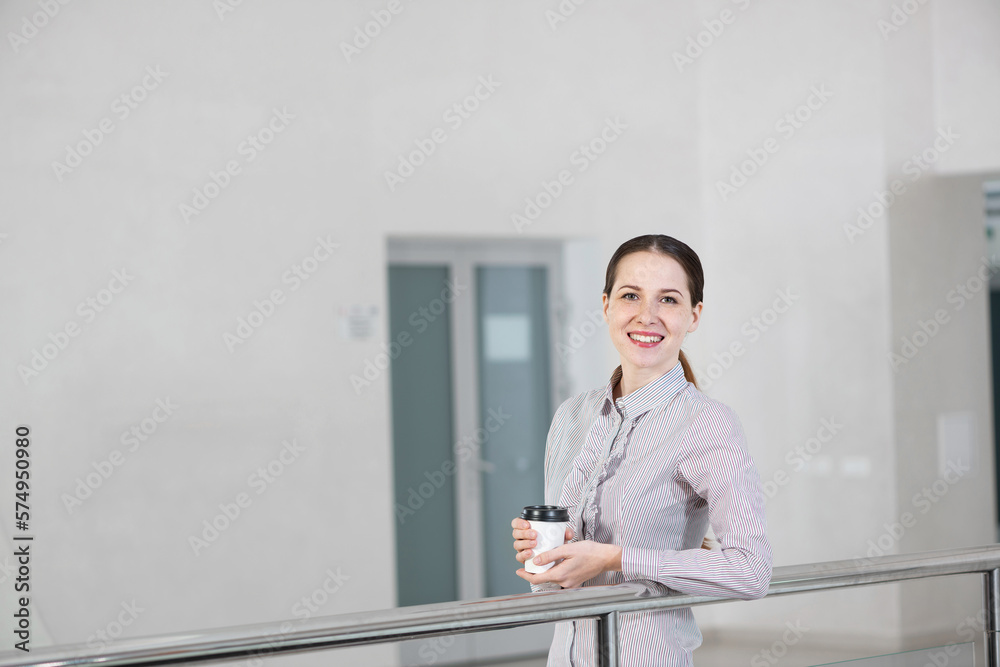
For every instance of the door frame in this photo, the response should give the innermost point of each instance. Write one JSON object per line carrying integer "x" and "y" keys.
{"x": 461, "y": 257}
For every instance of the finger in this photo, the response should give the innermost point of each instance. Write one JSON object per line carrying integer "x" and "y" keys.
{"x": 547, "y": 557}
{"x": 519, "y": 523}
{"x": 532, "y": 578}
{"x": 557, "y": 574}
{"x": 557, "y": 554}
{"x": 569, "y": 533}
{"x": 542, "y": 578}
{"x": 521, "y": 545}
{"x": 561, "y": 573}
{"x": 523, "y": 556}
{"x": 524, "y": 574}
{"x": 524, "y": 534}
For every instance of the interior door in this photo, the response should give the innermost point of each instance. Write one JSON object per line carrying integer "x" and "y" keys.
{"x": 472, "y": 398}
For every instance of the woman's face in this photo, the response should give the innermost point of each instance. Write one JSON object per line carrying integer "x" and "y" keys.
{"x": 649, "y": 312}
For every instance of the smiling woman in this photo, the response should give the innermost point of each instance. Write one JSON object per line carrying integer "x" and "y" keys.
{"x": 645, "y": 465}
{"x": 651, "y": 284}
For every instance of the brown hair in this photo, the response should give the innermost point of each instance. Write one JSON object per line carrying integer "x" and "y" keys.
{"x": 685, "y": 256}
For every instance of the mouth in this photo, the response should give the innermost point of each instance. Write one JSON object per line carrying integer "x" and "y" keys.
{"x": 644, "y": 338}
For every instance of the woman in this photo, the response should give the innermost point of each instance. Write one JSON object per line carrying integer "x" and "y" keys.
{"x": 645, "y": 465}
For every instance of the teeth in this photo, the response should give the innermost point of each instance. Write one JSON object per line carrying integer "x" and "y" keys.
{"x": 646, "y": 339}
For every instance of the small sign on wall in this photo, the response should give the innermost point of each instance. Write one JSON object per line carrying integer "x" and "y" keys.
{"x": 357, "y": 322}
{"x": 956, "y": 433}
{"x": 507, "y": 337}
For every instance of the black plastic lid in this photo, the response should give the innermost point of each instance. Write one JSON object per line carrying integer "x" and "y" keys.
{"x": 545, "y": 513}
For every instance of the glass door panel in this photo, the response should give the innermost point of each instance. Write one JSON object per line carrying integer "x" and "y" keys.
{"x": 426, "y": 549}
{"x": 515, "y": 407}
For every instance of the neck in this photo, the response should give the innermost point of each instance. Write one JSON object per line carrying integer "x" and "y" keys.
{"x": 634, "y": 379}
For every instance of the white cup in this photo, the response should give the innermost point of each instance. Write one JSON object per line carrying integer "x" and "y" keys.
{"x": 550, "y": 522}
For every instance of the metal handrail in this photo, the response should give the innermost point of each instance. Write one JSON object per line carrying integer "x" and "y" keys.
{"x": 601, "y": 602}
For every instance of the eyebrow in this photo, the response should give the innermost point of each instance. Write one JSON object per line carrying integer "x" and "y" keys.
{"x": 662, "y": 291}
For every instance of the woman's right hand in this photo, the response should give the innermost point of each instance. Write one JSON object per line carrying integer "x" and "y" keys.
{"x": 524, "y": 539}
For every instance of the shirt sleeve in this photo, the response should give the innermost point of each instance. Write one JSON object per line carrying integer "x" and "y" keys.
{"x": 717, "y": 466}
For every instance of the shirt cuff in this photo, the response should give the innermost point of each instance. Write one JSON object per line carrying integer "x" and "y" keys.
{"x": 641, "y": 563}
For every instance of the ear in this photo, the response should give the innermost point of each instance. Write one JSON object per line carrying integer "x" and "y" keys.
{"x": 696, "y": 312}
{"x": 605, "y": 302}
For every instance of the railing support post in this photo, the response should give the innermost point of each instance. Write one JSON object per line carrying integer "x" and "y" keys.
{"x": 607, "y": 640}
{"x": 991, "y": 604}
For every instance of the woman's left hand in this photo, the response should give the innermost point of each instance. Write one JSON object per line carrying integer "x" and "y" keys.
{"x": 581, "y": 561}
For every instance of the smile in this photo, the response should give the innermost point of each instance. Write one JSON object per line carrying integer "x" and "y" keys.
{"x": 645, "y": 339}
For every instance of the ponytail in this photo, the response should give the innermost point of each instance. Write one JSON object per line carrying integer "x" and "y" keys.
{"x": 688, "y": 373}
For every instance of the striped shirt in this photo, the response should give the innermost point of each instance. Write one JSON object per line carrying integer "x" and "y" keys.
{"x": 650, "y": 472}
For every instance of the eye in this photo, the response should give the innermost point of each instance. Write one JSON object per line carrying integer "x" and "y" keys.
{"x": 630, "y": 296}
{"x": 670, "y": 299}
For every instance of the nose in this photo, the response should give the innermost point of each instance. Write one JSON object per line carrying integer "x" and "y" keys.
{"x": 647, "y": 312}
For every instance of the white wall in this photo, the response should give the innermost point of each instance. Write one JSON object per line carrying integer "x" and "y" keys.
{"x": 782, "y": 234}
{"x": 966, "y": 62}
{"x": 323, "y": 176}
{"x": 937, "y": 243}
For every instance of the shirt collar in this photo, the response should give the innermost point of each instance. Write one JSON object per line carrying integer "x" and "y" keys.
{"x": 655, "y": 393}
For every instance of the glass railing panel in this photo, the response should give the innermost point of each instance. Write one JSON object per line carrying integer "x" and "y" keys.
{"x": 950, "y": 655}
{"x": 836, "y": 627}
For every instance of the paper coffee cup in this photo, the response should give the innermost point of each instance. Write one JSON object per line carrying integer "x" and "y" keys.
{"x": 550, "y": 522}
